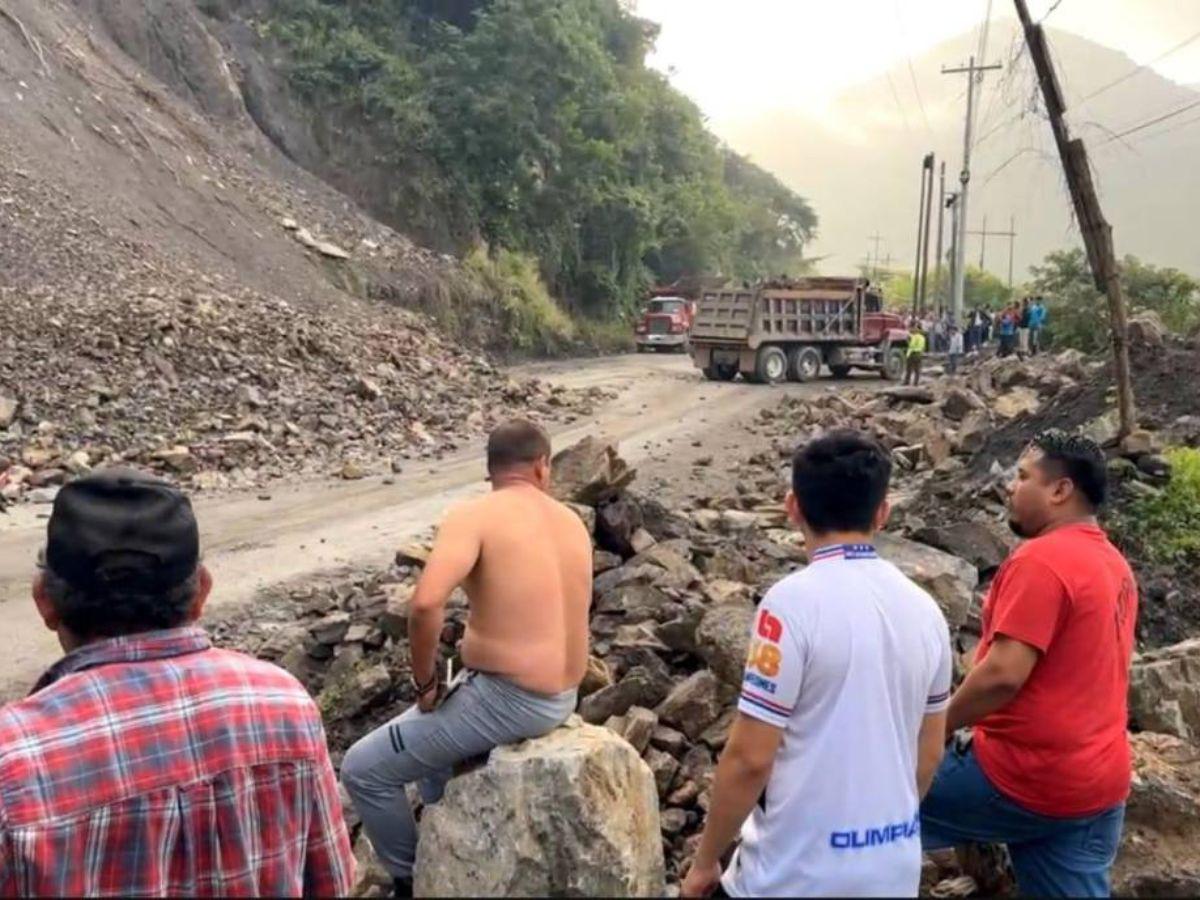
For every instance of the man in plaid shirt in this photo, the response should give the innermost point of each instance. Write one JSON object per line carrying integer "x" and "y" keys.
{"x": 147, "y": 762}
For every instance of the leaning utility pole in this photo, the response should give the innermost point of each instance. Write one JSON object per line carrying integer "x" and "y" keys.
{"x": 960, "y": 262}
{"x": 1097, "y": 233}
{"x": 937, "y": 273}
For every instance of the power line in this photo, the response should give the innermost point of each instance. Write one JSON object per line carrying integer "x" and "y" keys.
{"x": 911, "y": 72}
{"x": 1157, "y": 119}
{"x": 1112, "y": 84}
{"x": 896, "y": 97}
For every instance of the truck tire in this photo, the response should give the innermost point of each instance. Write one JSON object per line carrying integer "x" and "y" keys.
{"x": 840, "y": 371}
{"x": 771, "y": 365}
{"x": 893, "y": 364}
{"x": 804, "y": 363}
{"x": 719, "y": 372}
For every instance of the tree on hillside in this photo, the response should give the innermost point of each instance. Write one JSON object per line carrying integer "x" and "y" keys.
{"x": 537, "y": 127}
{"x": 1078, "y": 313}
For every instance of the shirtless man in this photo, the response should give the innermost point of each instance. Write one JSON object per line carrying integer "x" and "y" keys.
{"x": 525, "y": 562}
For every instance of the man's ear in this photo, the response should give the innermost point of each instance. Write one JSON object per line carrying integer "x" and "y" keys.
{"x": 1062, "y": 491}
{"x": 882, "y": 515}
{"x": 542, "y": 469}
{"x": 45, "y": 606}
{"x": 792, "y": 505}
{"x": 204, "y": 584}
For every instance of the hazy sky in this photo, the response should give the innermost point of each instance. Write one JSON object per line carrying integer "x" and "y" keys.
{"x": 736, "y": 58}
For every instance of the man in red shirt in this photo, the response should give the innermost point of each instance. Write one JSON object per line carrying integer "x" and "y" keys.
{"x": 1048, "y": 769}
{"x": 146, "y": 763}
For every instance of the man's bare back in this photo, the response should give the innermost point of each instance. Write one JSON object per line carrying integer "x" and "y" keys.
{"x": 529, "y": 589}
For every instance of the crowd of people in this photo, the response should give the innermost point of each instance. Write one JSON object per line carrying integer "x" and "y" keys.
{"x": 1018, "y": 328}
{"x": 148, "y": 762}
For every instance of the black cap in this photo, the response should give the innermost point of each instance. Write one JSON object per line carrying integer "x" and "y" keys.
{"x": 125, "y": 529}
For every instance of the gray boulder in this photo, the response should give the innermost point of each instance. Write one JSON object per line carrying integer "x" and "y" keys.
{"x": 723, "y": 640}
{"x": 574, "y": 813}
{"x": 951, "y": 581}
{"x": 1164, "y": 690}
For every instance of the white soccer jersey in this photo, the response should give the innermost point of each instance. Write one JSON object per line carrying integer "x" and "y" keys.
{"x": 847, "y": 656}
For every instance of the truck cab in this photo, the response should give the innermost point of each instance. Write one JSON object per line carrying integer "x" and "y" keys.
{"x": 665, "y": 323}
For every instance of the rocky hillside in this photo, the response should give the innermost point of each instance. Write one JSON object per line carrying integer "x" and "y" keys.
{"x": 175, "y": 293}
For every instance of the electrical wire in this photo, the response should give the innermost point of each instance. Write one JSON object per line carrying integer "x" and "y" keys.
{"x": 912, "y": 72}
{"x": 1117, "y": 81}
{"x": 1152, "y": 122}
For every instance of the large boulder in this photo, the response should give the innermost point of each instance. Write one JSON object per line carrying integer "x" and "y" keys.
{"x": 574, "y": 813}
{"x": 951, "y": 581}
{"x": 589, "y": 472}
{"x": 723, "y": 640}
{"x": 693, "y": 704}
{"x": 1164, "y": 690}
{"x": 983, "y": 545}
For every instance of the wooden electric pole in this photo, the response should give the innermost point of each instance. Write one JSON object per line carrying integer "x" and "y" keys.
{"x": 1011, "y": 234}
{"x": 1097, "y": 233}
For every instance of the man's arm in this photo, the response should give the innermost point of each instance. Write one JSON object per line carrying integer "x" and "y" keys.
{"x": 741, "y": 777}
{"x": 454, "y": 555}
{"x": 931, "y": 743}
{"x": 992, "y": 683}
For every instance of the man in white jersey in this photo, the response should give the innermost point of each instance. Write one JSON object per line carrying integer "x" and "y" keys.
{"x": 842, "y": 716}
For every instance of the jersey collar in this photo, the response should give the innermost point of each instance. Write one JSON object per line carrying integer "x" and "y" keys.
{"x": 843, "y": 551}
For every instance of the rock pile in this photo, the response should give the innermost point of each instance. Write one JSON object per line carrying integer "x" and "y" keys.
{"x": 224, "y": 388}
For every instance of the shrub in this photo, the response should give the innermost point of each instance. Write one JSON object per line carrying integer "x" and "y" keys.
{"x": 1167, "y": 526}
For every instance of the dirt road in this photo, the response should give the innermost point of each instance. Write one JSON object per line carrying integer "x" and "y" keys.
{"x": 664, "y": 417}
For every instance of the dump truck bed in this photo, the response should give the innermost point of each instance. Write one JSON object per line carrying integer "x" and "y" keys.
{"x": 813, "y": 310}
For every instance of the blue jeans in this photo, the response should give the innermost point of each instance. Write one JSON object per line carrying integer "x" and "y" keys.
{"x": 1051, "y": 857}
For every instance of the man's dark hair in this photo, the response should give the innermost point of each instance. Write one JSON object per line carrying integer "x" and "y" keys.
{"x": 103, "y": 611}
{"x": 1077, "y": 458}
{"x": 840, "y": 480}
{"x": 516, "y": 442}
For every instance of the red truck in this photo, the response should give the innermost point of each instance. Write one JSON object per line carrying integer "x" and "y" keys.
{"x": 665, "y": 323}
{"x": 786, "y": 330}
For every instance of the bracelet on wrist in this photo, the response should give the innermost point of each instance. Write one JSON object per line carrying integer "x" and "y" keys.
{"x": 423, "y": 688}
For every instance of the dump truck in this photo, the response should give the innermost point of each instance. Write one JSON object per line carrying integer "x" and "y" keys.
{"x": 787, "y": 329}
{"x": 664, "y": 324}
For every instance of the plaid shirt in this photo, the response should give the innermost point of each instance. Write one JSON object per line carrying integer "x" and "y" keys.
{"x": 157, "y": 765}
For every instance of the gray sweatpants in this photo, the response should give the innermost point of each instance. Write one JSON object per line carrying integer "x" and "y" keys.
{"x": 479, "y": 713}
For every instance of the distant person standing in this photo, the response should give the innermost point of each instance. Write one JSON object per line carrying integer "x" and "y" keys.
{"x": 956, "y": 350}
{"x": 1007, "y": 331}
{"x": 1037, "y": 322}
{"x": 914, "y": 355}
{"x": 1047, "y": 768}
{"x": 1024, "y": 321}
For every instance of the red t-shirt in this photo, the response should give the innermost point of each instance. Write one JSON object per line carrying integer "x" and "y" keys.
{"x": 1060, "y": 747}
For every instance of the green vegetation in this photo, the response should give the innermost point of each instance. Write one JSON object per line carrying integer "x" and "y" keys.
{"x": 533, "y": 322}
{"x": 535, "y": 128}
{"x": 1166, "y": 526}
{"x": 1078, "y": 313}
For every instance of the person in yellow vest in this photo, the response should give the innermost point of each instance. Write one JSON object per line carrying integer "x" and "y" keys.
{"x": 915, "y": 354}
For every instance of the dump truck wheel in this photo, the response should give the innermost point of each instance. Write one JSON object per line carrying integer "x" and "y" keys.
{"x": 719, "y": 372}
{"x": 893, "y": 364}
{"x": 804, "y": 363}
{"x": 771, "y": 366}
{"x": 840, "y": 371}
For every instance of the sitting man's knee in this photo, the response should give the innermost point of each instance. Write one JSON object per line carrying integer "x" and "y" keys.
{"x": 358, "y": 772}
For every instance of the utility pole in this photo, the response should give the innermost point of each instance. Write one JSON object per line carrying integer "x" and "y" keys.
{"x": 952, "y": 203}
{"x": 1011, "y": 234}
{"x": 937, "y": 272}
{"x": 923, "y": 216}
{"x": 876, "y": 239}
{"x": 971, "y": 70}
{"x": 928, "y": 229}
{"x": 1097, "y": 233}
{"x": 983, "y": 245}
